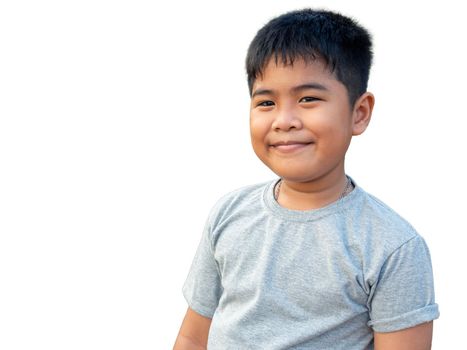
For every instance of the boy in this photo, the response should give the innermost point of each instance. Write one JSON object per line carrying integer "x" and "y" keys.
{"x": 309, "y": 261}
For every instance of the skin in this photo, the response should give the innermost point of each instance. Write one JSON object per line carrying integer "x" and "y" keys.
{"x": 301, "y": 125}
{"x": 306, "y": 106}
{"x": 415, "y": 338}
{"x": 193, "y": 334}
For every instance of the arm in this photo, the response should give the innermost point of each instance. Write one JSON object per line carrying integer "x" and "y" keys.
{"x": 415, "y": 338}
{"x": 193, "y": 333}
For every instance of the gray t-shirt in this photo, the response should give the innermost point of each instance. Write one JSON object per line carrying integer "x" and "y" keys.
{"x": 274, "y": 278}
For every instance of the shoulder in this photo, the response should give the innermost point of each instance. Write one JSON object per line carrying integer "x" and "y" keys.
{"x": 384, "y": 241}
{"x": 240, "y": 199}
{"x": 384, "y": 224}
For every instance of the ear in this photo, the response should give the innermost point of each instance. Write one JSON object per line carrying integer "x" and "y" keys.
{"x": 362, "y": 113}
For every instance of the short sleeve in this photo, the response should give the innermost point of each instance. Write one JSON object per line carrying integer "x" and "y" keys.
{"x": 403, "y": 296}
{"x": 202, "y": 288}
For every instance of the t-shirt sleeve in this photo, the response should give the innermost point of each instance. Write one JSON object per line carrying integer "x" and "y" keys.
{"x": 202, "y": 288}
{"x": 403, "y": 296}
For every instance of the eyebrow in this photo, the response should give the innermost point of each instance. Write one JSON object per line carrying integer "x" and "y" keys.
{"x": 307, "y": 86}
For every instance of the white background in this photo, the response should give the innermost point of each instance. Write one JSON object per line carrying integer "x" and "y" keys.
{"x": 122, "y": 122}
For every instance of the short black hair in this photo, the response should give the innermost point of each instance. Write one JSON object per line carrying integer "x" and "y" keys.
{"x": 343, "y": 45}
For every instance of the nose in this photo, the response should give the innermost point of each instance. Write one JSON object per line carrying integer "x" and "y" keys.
{"x": 286, "y": 119}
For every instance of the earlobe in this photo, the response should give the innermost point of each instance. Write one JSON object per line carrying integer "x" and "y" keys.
{"x": 362, "y": 113}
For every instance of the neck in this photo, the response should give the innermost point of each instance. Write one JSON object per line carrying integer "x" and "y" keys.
{"x": 312, "y": 194}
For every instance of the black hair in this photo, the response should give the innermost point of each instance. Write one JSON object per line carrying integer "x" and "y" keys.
{"x": 343, "y": 45}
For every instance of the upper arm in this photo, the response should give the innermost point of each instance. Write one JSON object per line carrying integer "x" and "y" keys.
{"x": 414, "y": 338}
{"x": 403, "y": 294}
{"x": 194, "y": 329}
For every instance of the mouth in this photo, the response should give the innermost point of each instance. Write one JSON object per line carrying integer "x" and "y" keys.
{"x": 290, "y": 146}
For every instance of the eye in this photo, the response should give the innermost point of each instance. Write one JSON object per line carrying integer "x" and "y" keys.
{"x": 309, "y": 99}
{"x": 265, "y": 104}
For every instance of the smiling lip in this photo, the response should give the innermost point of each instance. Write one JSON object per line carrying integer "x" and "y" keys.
{"x": 291, "y": 146}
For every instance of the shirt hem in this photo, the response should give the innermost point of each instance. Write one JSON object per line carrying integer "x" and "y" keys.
{"x": 199, "y": 308}
{"x": 407, "y": 320}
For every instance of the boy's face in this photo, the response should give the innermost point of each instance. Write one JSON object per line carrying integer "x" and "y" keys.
{"x": 301, "y": 122}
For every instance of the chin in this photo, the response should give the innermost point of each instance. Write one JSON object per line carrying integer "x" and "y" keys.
{"x": 300, "y": 174}
{"x": 303, "y": 171}
{"x": 296, "y": 176}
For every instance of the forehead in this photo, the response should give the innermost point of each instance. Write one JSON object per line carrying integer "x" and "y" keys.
{"x": 299, "y": 71}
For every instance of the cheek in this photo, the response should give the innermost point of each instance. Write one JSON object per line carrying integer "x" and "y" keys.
{"x": 258, "y": 128}
{"x": 332, "y": 122}
{"x": 333, "y": 136}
